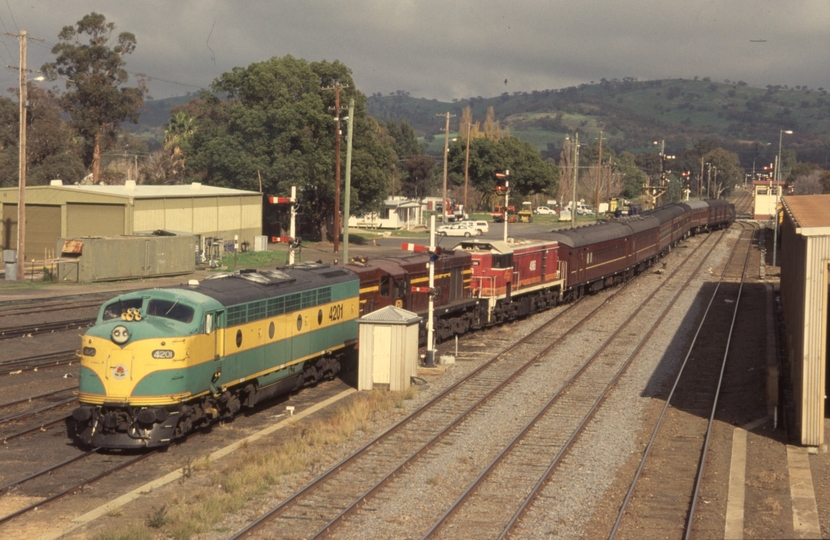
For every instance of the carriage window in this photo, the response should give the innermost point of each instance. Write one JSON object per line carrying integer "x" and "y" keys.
{"x": 114, "y": 310}
{"x": 170, "y": 310}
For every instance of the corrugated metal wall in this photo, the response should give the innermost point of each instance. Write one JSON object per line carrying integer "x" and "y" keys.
{"x": 207, "y": 216}
{"x": 94, "y": 219}
{"x": 804, "y": 278}
{"x": 43, "y": 225}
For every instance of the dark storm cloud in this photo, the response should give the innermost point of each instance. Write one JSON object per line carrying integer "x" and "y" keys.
{"x": 448, "y": 50}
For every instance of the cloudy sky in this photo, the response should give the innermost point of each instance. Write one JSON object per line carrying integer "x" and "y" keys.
{"x": 450, "y": 49}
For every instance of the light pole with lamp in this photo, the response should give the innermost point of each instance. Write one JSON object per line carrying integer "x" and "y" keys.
{"x": 777, "y": 192}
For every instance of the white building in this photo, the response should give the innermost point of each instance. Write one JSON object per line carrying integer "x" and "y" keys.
{"x": 766, "y": 196}
{"x": 397, "y": 213}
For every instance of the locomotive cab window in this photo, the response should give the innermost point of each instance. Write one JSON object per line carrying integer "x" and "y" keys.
{"x": 114, "y": 310}
{"x": 385, "y": 285}
{"x": 209, "y": 323}
{"x": 170, "y": 310}
{"x": 503, "y": 261}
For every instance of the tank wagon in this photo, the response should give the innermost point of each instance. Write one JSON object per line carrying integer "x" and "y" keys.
{"x": 160, "y": 363}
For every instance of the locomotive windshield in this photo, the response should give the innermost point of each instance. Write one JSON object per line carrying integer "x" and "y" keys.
{"x": 170, "y": 310}
{"x": 115, "y": 309}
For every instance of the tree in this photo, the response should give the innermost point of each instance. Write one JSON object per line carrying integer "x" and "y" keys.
{"x": 809, "y": 184}
{"x": 275, "y": 125}
{"x": 632, "y": 177}
{"x": 52, "y": 152}
{"x": 96, "y": 100}
{"x": 729, "y": 171}
{"x": 177, "y": 133}
{"x": 529, "y": 174}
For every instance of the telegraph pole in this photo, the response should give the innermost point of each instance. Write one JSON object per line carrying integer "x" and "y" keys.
{"x": 348, "y": 194}
{"x": 446, "y": 151}
{"x": 467, "y": 167}
{"x": 336, "y": 88}
{"x": 21, "y": 201}
{"x": 576, "y": 178}
{"x": 599, "y": 176}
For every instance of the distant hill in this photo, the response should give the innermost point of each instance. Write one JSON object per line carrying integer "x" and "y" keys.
{"x": 633, "y": 114}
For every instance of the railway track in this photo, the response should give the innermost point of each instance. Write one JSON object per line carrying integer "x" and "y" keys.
{"x": 485, "y": 509}
{"x": 322, "y": 506}
{"x": 56, "y": 486}
{"x": 37, "y": 306}
{"x": 672, "y": 466}
{"x": 45, "y": 327}
{"x": 39, "y": 361}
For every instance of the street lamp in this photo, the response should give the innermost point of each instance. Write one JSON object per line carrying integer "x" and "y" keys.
{"x": 777, "y": 192}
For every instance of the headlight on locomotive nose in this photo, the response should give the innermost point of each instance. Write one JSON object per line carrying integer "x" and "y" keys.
{"x": 89, "y": 351}
{"x": 120, "y": 335}
{"x": 163, "y": 354}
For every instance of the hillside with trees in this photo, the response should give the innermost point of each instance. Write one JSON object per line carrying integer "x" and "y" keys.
{"x": 633, "y": 114}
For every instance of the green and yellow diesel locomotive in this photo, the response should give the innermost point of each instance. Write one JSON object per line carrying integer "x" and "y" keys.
{"x": 159, "y": 363}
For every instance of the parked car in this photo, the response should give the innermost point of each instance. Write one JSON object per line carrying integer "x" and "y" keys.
{"x": 584, "y": 210}
{"x": 457, "y": 229}
{"x": 483, "y": 226}
{"x": 544, "y": 211}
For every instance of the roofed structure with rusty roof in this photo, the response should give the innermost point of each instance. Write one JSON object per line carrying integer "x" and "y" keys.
{"x": 810, "y": 213}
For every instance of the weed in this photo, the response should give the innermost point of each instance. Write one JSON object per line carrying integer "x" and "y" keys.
{"x": 774, "y": 506}
{"x": 187, "y": 471}
{"x": 115, "y": 511}
{"x": 157, "y": 518}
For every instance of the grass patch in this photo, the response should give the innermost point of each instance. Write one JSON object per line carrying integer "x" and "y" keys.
{"x": 133, "y": 532}
{"x": 255, "y": 470}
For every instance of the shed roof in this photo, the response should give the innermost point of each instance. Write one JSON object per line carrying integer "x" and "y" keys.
{"x": 390, "y": 315}
{"x": 143, "y": 191}
{"x": 809, "y": 213}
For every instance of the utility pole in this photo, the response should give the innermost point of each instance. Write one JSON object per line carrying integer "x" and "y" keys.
{"x": 467, "y": 166}
{"x": 337, "y": 86}
{"x": 700, "y": 181}
{"x": 446, "y": 151}
{"x": 709, "y": 180}
{"x": 576, "y": 178}
{"x": 599, "y": 176}
{"x": 348, "y": 195}
{"x": 21, "y": 201}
